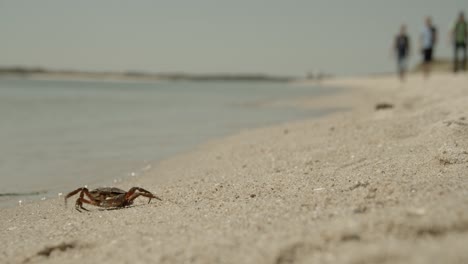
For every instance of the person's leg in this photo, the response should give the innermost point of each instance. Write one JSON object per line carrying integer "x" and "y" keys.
{"x": 404, "y": 67}
{"x": 400, "y": 67}
{"x": 427, "y": 62}
{"x": 455, "y": 57}
{"x": 464, "y": 57}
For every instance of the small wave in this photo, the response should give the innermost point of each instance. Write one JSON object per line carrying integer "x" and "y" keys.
{"x": 22, "y": 193}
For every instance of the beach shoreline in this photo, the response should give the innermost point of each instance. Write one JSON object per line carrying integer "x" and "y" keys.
{"x": 153, "y": 121}
{"x": 361, "y": 186}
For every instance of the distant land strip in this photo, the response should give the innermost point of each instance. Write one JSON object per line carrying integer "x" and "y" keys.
{"x": 23, "y": 193}
{"x": 38, "y": 72}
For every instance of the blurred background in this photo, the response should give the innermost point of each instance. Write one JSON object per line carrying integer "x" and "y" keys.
{"x": 212, "y": 36}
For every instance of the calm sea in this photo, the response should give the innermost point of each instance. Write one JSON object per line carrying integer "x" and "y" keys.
{"x": 58, "y": 135}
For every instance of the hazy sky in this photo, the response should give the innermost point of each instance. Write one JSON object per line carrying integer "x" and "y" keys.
{"x": 272, "y": 36}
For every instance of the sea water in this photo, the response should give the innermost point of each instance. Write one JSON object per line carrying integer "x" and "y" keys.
{"x": 59, "y": 135}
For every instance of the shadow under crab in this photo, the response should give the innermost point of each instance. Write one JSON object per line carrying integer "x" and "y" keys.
{"x": 108, "y": 197}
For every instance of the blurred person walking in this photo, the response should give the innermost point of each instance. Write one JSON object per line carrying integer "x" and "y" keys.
{"x": 401, "y": 48}
{"x": 459, "y": 38}
{"x": 428, "y": 42}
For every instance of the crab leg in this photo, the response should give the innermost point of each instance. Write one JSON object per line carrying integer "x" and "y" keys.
{"x": 79, "y": 204}
{"x": 83, "y": 191}
{"x": 70, "y": 194}
{"x": 149, "y": 195}
{"x": 132, "y": 194}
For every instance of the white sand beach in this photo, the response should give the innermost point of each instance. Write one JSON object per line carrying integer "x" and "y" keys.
{"x": 359, "y": 186}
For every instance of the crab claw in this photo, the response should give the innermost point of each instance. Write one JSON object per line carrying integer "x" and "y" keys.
{"x": 155, "y": 197}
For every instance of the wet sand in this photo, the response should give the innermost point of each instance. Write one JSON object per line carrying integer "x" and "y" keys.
{"x": 362, "y": 186}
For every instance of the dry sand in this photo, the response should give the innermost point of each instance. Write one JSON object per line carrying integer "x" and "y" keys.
{"x": 362, "y": 186}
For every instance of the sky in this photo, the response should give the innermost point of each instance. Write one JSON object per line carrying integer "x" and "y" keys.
{"x": 280, "y": 37}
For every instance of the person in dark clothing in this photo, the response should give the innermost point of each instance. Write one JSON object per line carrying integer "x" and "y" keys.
{"x": 401, "y": 48}
{"x": 459, "y": 37}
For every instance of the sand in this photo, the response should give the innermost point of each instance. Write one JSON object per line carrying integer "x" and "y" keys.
{"x": 359, "y": 186}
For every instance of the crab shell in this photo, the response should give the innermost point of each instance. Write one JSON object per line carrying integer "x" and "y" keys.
{"x": 110, "y": 197}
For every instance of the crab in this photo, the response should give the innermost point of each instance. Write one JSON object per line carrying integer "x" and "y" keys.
{"x": 108, "y": 197}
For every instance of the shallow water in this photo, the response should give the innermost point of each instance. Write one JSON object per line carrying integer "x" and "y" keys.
{"x": 59, "y": 135}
